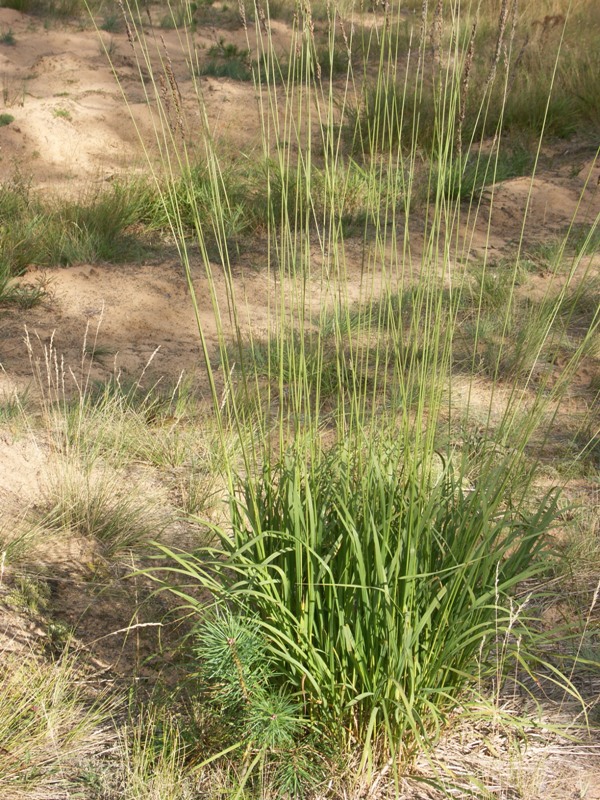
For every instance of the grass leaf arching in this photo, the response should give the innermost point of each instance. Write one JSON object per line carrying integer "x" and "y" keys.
{"x": 372, "y": 587}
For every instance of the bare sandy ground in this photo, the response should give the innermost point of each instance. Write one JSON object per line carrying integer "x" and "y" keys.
{"x": 72, "y": 126}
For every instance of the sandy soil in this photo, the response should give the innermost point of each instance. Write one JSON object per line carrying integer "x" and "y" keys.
{"x": 71, "y": 125}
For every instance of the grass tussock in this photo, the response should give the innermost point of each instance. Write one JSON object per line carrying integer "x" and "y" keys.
{"x": 36, "y": 233}
{"x": 355, "y": 573}
{"x": 102, "y": 506}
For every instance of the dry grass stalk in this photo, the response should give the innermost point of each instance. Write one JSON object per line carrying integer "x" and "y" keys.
{"x": 242, "y": 13}
{"x": 261, "y": 16}
{"x": 128, "y": 29}
{"x": 464, "y": 87}
{"x": 424, "y": 9}
{"x": 503, "y": 18}
{"x": 174, "y": 92}
{"x": 436, "y": 31}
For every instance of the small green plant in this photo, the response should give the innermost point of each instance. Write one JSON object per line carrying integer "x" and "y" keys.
{"x": 6, "y": 119}
{"x": 29, "y": 593}
{"x": 58, "y": 637}
{"x": 112, "y": 23}
{"x": 240, "y": 677}
{"x": 226, "y": 60}
{"x": 62, "y": 113}
{"x": 99, "y": 352}
{"x": 8, "y": 38}
{"x": 22, "y": 295}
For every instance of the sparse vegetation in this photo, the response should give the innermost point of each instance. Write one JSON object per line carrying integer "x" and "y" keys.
{"x": 22, "y": 295}
{"x": 227, "y": 61}
{"x": 112, "y": 23}
{"x": 8, "y": 38}
{"x": 46, "y": 725}
{"x": 102, "y": 507}
{"x": 61, "y": 9}
{"x": 33, "y": 232}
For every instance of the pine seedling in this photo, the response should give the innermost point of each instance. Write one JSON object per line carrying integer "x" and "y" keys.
{"x": 232, "y": 658}
{"x": 238, "y": 671}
